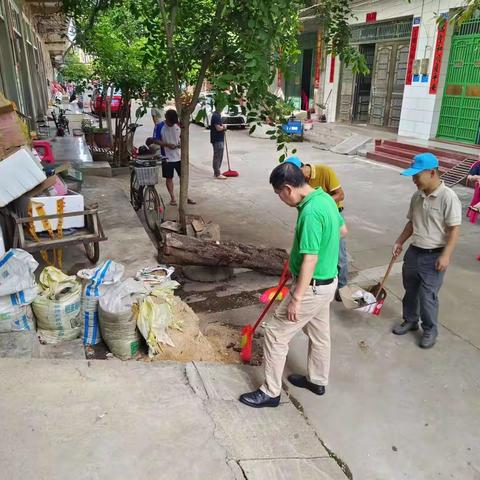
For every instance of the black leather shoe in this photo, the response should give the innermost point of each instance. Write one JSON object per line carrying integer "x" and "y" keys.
{"x": 405, "y": 327}
{"x": 259, "y": 399}
{"x": 301, "y": 381}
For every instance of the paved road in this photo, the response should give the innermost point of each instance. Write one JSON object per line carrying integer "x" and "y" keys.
{"x": 393, "y": 411}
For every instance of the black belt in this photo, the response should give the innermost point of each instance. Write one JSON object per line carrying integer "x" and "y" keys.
{"x": 427, "y": 250}
{"x": 314, "y": 282}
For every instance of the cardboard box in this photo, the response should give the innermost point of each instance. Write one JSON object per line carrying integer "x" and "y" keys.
{"x": 13, "y": 133}
{"x": 6, "y": 106}
{"x": 73, "y": 202}
{"x": 19, "y": 173}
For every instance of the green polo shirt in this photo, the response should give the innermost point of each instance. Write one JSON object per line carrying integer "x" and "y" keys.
{"x": 317, "y": 232}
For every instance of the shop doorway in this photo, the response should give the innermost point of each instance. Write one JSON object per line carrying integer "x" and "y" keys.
{"x": 306, "y": 78}
{"x": 364, "y": 86}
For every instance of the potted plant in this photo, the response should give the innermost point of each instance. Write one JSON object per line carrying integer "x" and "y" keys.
{"x": 102, "y": 137}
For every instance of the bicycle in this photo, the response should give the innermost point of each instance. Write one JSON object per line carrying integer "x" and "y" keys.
{"x": 143, "y": 178}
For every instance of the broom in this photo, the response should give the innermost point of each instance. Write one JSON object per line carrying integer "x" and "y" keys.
{"x": 229, "y": 172}
{"x": 266, "y": 296}
{"x": 248, "y": 330}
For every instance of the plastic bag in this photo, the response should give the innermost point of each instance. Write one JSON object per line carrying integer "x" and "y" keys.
{"x": 155, "y": 316}
{"x": 16, "y": 271}
{"x": 97, "y": 281}
{"x": 53, "y": 282}
{"x": 118, "y": 323}
{"x": 154, "y": 276}
{"x": 120, "y": 297}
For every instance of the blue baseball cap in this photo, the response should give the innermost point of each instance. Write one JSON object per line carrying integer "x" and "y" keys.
{"x": 421, "y": 162}
{"x": 295, "y": 161}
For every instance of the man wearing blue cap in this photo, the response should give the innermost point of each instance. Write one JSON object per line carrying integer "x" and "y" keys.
{"x": 434, "y": 219}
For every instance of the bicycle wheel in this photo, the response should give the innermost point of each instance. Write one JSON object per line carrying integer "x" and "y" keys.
{"x": 136, "y": 192}
{"x": 152, "y": 207}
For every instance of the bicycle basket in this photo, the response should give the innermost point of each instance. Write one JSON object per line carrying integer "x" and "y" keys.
{"x": 146, "y": 175}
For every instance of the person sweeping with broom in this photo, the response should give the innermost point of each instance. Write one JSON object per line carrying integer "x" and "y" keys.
{"x": 217, "y": 139}
{"x": 313, "y": 265}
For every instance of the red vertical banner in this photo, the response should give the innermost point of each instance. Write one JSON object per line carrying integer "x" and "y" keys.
{"x": 332, "y": 69}
{"x": 437, "y": 57}
{"x": 411, "y": 54}
{"x": 318, "y": 60}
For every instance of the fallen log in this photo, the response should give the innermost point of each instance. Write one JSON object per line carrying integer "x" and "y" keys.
{"x": 184, "y": 250}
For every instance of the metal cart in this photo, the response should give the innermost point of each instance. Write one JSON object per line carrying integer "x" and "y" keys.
{"x": 90, "y": 236}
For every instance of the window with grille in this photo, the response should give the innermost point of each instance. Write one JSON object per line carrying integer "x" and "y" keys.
{"x": 375, "y": 32}
{"x": 472, "y": 27}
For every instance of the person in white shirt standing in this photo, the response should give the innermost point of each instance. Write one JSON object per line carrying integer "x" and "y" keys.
{"x": 170, "y": 141}
{"x": 434, "y": 219}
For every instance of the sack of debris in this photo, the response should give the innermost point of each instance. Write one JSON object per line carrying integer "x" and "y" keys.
{"x": 155, "y": 317}
{"x": 118, "y": 313}
{"x": 15, "y": 318}
{"x": 57, "y": 307}
{"x": 96, "y": 282}
{"x": 17, "y": 269}
{"x": 18, "y": 289}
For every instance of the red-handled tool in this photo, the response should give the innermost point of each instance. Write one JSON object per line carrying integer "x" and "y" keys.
{"x": 248, "y": 330}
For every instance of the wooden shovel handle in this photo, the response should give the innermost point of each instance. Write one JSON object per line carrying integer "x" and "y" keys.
{"x": 389, "y": 269}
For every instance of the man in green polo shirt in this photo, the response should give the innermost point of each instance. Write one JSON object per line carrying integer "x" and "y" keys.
{"x": 313, "y": 264}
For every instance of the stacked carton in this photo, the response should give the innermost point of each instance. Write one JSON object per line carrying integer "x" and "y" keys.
{"x": 13, "y": 131}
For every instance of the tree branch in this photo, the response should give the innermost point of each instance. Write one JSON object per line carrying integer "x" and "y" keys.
{"x": 206, "y": 58}
{"x": 169, "y": 29}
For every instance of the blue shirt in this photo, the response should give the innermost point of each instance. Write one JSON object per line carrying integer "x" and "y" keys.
{"x": 215, "y": 135}
{"x": 157, "y": 134}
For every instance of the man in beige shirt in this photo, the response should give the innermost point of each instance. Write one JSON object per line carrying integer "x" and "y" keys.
{"x": 434, "y": 219}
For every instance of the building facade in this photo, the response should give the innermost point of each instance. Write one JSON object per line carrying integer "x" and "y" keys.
{"x": 32, "y": 42}
{"x": 424, "y": 79}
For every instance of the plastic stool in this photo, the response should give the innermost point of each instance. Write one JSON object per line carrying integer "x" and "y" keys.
{"x": 45, "y": 151}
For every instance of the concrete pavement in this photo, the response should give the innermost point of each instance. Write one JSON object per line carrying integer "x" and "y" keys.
{"x": 111, "y": 420}
{"x": 392, "y": 411}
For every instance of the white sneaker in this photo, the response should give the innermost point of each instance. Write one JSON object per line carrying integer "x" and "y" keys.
{"x": 220, "y": 177}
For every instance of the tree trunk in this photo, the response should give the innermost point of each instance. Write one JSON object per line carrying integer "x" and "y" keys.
{"x": 183, "y": 250}
{"x": 109, "y": 115}
{"x": 185, "y": 163}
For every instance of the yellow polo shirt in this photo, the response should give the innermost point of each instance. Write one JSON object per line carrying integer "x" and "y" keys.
{"x": 324, "y": 177}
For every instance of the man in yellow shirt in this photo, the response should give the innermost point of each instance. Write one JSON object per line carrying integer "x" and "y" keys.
{"x": 324, "y": 177}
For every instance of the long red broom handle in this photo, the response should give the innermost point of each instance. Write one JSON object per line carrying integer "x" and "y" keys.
{"x": 226, "y": 148}
{"x": 267, "y": 308}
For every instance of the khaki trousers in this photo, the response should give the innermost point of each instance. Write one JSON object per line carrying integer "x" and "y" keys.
{"x": 314, "y": 320}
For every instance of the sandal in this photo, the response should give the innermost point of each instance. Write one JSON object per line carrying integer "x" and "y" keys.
{"x": 173, "y": 203}
{"x": 191, "y": 202}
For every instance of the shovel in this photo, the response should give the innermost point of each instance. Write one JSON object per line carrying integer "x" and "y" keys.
{"x": 378, "y": 290}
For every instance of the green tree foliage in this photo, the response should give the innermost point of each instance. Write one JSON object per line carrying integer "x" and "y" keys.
{"x": 74, "y": 70}
{"x": 236, "y": 45}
